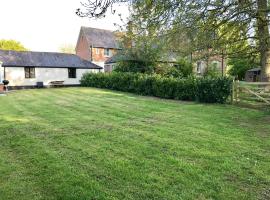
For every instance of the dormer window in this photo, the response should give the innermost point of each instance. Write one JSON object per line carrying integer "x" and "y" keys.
{"x": 106, "y": 52}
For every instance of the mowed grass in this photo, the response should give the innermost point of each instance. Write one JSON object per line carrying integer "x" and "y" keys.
{"x": 85, "y": 143}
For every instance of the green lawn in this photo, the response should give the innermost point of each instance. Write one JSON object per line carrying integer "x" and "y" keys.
{"x": 84, "y": 143}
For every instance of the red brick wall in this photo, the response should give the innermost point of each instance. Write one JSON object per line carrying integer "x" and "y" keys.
{"x": 82, "y": 49}
{"x": 1, "y": 88}
{"x": 99, "y": 56}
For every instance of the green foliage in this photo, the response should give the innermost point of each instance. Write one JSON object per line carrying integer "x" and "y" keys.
{"x": 203, "y": 89}
{"x": 11, "y": 45}
{"x": 182, "y": 68}
{"x": 67, "y": 48}
{"x": 136, "y": 66}
{"x": 239, "y": 66}
{"x": 185, "y": 67}
{"x": 89, "y": 144}
{"x": 174, "y": 72}
{"x": 213, "y": 90}
{"x": 212, "y": 71}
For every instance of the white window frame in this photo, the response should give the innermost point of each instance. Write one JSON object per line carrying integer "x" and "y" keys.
{"x": 199, "y": 67}
{"x": 97, "y": 50}
{"x": 106, "y": 50}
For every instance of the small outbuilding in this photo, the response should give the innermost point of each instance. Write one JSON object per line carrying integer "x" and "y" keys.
{"x": 30, "y": 69}
{"x": 253, "y": 75}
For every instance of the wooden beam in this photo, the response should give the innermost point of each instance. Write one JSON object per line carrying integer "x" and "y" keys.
{"x": 257, "y": 95}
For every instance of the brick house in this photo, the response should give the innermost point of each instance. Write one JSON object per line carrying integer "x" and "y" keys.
{"x": 201, "y": 65}
{"x": 96, "y": 45}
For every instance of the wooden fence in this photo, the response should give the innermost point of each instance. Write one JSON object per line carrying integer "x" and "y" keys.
{"x": 255, "y": 94}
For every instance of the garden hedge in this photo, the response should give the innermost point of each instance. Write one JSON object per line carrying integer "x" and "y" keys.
{"x": 209, "y": 90}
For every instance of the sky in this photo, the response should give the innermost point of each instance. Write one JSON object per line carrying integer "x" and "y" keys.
{"x": 46, "y": 25}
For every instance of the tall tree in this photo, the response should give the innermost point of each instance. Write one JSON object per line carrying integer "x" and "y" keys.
{"x": 208, "y": 23}
{"x": 67, "y": 48}
{"x": 11, "y": 45}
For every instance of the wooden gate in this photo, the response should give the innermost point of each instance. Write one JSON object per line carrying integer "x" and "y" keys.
{"x": 255, "y": 94}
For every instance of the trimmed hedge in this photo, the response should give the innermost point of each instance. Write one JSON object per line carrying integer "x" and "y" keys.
{"x": 209, "y": 90}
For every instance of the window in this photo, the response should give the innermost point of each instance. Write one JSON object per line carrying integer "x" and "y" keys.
{"x": 97, "y": 50}
{"x": 29, "y": 72}
{"x": 71, "y": 73}
{"x": 216, "y": 64}
{"x": 199, "y": 66}
{"x": 106, "y": 52}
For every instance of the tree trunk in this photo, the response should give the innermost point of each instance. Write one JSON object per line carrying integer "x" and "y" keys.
{"x": 263, "y": 34}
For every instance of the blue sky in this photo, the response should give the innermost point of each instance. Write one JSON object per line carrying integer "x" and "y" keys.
{"x": 45, "y": 25}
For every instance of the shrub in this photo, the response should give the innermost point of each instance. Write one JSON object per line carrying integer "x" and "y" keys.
{"x": 135, "y": 66}
{"x": 212, "y": 71}
{"x": 181, "y": 69}
{"x": 213, "y": 90}
{"x": 185, "y": 67}
{"x": 210, "y": 90}
{"x": 240, "y": 65}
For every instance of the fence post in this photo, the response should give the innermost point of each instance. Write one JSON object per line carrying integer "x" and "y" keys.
{"x": 237, "y": 91}
{"x": 232, "y": 94}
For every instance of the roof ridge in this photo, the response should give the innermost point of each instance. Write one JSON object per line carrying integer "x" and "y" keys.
{"x": 87, "y": 27}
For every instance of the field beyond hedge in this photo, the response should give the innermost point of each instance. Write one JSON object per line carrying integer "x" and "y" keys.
{"x": 85, "y": 143}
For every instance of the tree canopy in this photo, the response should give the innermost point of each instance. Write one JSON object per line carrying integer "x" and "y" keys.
{"x": 11, "y": 45}
{"x": 227, "y": 27}
{"x": 67, "y": 48}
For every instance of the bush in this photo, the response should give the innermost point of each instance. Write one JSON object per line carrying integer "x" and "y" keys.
{"x": 185, "y": 67}
{"x": 239, "y": 66}
{"x": 210, "y": 90}
{"x": 212, "y": 71}
{"x": 135, "y": 66}
{"x": 181, "y": 69}
{"x": 213, "y": 90}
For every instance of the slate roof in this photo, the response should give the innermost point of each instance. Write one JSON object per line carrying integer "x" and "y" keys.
{"x": 100, "y": 37}
{"x": 113, "y": 59}
{"x": 44, "y": 59}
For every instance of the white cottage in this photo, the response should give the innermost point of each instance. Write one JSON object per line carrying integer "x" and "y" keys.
{"x": 28, "y": 69}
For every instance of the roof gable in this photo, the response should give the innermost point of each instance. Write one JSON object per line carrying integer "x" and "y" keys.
{"x": 43, "y": 59}
{"x": 100, "y": 37}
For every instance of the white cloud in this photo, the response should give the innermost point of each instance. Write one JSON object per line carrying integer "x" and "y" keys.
{"x": 44, "y": 25}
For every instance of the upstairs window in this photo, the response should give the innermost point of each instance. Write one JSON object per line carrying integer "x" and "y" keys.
{"x": 106, "y": 52}
{"x": 71, "y": 72}
{"x": 97, "y": 50}
{"x": 29, "y": 72}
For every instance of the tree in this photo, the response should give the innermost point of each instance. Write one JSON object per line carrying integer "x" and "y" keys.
{"x": 67, "y": 48}
{"x": 11, "y": 45}
{"x": 140, "y": 52}
{"x": 203, "y": 21}
{"x": 239, "y": 66}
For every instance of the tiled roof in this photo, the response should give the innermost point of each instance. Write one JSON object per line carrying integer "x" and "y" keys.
{"x": 100, "y": 37}
{"x": 43, "y": 59}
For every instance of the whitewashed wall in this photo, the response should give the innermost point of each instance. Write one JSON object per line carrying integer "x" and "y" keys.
{"x": 16, "y": 76}
{"x": 1, "y": 72}
{"x": 101, "y": 64}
